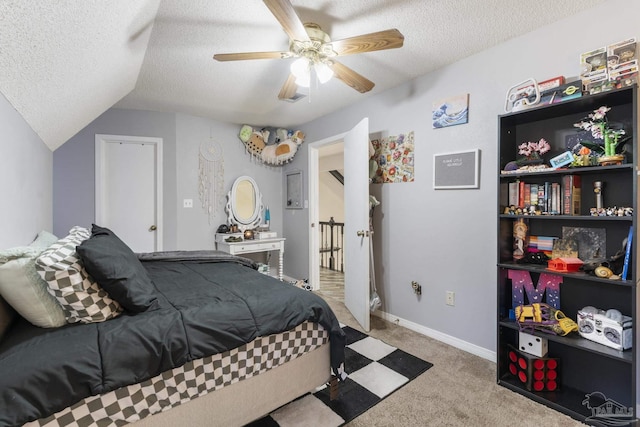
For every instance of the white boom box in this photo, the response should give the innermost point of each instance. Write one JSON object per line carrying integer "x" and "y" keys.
{"x": 613, "y": 330}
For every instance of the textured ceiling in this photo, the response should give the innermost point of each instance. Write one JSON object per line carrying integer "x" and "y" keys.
{"x": 64, "y": 63}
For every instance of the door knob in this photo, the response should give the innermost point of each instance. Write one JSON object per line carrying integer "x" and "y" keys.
{"x": 153, "y": 228}
{"x": 362, "y": 233}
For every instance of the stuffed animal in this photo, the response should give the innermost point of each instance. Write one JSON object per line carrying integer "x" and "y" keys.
{"x": 283, "y": 150}
{"x": 302, "y": 284}
{"x": 255, "y": 140}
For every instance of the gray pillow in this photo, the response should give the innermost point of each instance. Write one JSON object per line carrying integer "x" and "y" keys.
{"x": 117, "y": 270}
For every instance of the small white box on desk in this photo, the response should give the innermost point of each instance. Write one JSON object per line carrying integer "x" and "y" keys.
{"x": 266, "y": 235}
{"x": 532, "y": 344}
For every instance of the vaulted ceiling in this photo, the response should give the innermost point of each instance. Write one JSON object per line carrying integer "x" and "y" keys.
{"x": 64, "y": 63}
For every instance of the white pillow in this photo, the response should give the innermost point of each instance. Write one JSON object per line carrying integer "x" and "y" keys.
{"x": 81, "y": 298}
{"x": 22, "y": 287}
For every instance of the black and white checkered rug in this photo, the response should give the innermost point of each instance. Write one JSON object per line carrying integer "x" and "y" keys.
{"x": 375, "y": 370}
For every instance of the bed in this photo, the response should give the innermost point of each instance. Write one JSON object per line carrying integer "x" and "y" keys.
{"x": 215, "y": 334}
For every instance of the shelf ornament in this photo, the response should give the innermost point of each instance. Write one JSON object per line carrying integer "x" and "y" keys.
{"x": 522, "y": 285}
{"x": 611, "y": 151}
{"x": 533, "y": 151}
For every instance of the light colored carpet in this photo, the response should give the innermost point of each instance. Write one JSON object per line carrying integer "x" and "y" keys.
{"x": 459, "y": 390}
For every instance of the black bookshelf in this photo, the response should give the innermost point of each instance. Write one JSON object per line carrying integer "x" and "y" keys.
{"x": 586, "y": 366}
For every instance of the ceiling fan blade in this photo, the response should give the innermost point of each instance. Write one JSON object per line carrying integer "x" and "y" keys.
{"x": 388, "y": 39}
{"x": 350, "y": 77}
{"x": 288, "y": 18}
{"x": 251, "y": 55}
{"x": 289, "y": 88}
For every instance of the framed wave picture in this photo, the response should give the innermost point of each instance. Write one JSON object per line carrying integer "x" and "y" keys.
{"x": 451, "y": 111}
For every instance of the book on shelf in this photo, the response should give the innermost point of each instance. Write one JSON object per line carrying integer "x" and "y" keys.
{"x": 627, "y": 255}
{"x": 571, "y": 185}
{"x": 555, "y": 198}
{"x": 541, "y": 200}
{"x": 534, "y": 195}
{"x": 520, "y": 194}
{"x": 513, "y": 193}
{"x": 547, "y": 197}
{"x": 527, "y": 195}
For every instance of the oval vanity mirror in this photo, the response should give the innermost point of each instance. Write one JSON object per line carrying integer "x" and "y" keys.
{"x": 244, "y": 205}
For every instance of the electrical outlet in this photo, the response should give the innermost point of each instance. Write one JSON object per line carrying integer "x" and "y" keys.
{"x": 451, "y": 298}
{"x": 187, "y": 203}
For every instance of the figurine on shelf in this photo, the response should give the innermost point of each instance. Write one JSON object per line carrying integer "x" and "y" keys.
{"x": 597, "y": 189}
{"x": 520, "y": 229}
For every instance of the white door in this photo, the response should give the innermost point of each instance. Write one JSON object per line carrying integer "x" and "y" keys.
{"x": 128, "y": 189}
{"x": 356, "y": 222}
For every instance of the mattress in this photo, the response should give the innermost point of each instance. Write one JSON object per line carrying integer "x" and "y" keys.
{"x": 190, "y": 381}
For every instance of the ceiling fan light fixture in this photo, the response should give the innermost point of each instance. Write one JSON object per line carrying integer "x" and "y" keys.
{"x": 301, "y": 68}
{"x": 323, "y": 71}
{"x": 304, "y": 81}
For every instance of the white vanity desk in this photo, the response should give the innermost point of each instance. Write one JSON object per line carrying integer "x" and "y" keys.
{"x": 244, "y": 208}
{"x": 253, "y": 246}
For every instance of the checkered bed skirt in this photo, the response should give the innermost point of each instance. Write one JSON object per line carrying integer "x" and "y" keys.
{"x": 196, "y": 378}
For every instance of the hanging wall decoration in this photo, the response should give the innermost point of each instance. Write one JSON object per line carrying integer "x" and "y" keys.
{"x": 394, "y": 156}
{"x": 211, "y": 177}
{"x": 276, "y": 151}
{"x": 451, "y": 111}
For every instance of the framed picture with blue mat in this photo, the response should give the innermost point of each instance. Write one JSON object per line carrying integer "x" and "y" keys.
{"x": 375, "y": 370}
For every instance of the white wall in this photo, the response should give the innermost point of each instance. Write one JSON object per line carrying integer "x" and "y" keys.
{"x": 445, "y": 240}
{"x": 25, "y": 172}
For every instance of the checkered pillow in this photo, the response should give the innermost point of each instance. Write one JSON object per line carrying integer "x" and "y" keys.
{"x": 79, "y": 295}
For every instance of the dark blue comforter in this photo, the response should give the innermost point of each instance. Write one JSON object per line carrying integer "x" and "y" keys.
{"x": 206, "y": 306}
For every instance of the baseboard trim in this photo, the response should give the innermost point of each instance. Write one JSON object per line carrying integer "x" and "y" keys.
{"x": 432, "y": 333}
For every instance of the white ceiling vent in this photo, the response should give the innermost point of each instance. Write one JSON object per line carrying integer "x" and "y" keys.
{"x": 295, "y": 98}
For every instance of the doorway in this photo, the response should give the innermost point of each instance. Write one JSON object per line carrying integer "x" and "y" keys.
{"x": 356, "y": 224}
{"x": 331, "y": 219}
{"x": 128, "y": 179}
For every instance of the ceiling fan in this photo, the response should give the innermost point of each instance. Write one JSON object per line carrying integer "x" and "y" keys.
{"x": 316, "y": 52}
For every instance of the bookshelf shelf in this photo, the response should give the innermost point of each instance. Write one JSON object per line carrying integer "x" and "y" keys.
{"x": 563, "y": 171}
{"x": 577, "y": 275}
{"x": 618, "y": 372}
{"x": 576, "y": 341}
{"x": 627, "y": 219}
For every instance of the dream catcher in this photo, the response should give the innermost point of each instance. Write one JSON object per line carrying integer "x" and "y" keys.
{"x": 211, "y": 177}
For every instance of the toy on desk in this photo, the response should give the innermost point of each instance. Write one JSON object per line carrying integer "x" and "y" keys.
{"x": 519, "y": 96}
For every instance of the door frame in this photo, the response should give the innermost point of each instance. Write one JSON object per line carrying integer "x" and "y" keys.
{"x": 101, "y": 141}
{"x": 314, "y": 208}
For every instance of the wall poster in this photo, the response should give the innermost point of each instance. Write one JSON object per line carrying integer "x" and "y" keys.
{"x": 393, "y": 159}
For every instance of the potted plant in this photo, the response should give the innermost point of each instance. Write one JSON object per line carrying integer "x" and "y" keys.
{"x": 611, "y": 151}
{"x": 532, "y": 152}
